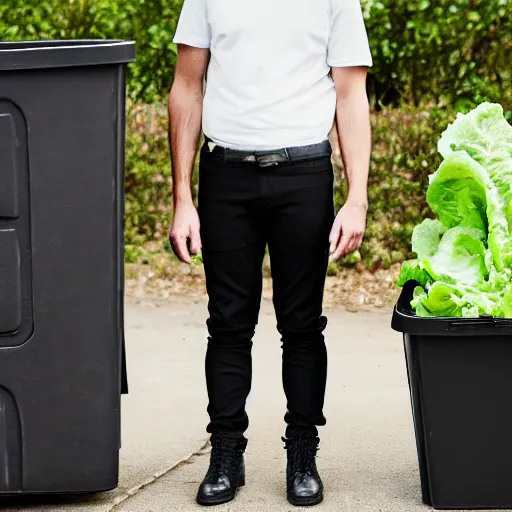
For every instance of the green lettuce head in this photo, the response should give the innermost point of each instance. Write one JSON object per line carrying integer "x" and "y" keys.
{"x": 464, "y": 258}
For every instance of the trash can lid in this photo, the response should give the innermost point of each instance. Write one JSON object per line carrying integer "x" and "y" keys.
{"x": 58, "y": 54}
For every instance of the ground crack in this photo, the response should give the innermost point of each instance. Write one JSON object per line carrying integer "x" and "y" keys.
{"x": 157, "y": 476}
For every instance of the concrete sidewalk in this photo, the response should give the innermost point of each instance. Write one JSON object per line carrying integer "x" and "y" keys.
{"x": 367, "y": 456}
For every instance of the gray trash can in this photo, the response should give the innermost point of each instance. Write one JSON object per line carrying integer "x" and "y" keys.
{"x": 62, "y": 107}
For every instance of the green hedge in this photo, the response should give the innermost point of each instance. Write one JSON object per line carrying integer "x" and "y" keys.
{"x": 404, "y": 155}
{"x": 148, "y": 174}
{"x": 454, "y": 52}
{"x": 448, "y": 51}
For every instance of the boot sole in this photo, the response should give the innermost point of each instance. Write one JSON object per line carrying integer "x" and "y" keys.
{"x": 305, "y": 502}
{"x": 219, "y": 500}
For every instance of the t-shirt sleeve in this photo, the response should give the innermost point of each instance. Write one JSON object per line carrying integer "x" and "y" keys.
{"x": 193, "y": 28}
{"x": 348, "y": 42}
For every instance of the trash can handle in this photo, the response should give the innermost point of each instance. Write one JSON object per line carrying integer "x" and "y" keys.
{"x": 482, "y": 321}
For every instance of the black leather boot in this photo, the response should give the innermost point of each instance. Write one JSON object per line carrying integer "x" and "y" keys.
{"x": 303, "y": 483}
{"x": 226, "y": 472}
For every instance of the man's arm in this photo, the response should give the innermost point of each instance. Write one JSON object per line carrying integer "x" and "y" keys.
{"x": 185, "y": 114}
{"x": 353, "y": 125}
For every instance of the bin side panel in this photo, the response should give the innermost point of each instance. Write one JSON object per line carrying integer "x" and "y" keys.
{"x": 412, "y": 357}
{"x": 466, "y": 385}
{"x": 66, "y": 377}
{"x": 16, "y": 320}
{"x": 8, "y": 171}
{"x": 10, "y": 281}
{"x": 10, "y": 443}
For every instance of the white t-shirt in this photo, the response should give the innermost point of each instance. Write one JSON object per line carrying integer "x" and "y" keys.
{"x": 268, "y": 83}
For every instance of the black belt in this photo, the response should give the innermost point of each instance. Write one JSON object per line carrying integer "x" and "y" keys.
{"x": 271, "y": 157}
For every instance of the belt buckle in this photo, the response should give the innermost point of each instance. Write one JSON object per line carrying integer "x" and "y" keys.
{"x": 270, "y": 159}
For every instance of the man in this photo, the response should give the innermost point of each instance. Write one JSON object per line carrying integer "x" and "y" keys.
{"x": 277, "y": 73}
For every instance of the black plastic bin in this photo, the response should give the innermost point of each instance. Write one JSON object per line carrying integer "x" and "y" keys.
{"x": 460, "y": 377}
{"x": 61, "y": 264}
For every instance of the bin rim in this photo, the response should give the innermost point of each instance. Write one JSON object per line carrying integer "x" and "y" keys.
{"x": 47, "y": 54}
{"x": 405, "y": 321}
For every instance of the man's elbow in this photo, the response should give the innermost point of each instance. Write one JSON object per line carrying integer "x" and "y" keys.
{"x": 185, "y": 89}
{"x": 353, "y": 97}
{"x": 350, "y": 83}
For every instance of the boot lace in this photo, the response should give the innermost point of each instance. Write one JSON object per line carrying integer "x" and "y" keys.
{"x": 301, "y": 454}
{"x": 226, "y": 453}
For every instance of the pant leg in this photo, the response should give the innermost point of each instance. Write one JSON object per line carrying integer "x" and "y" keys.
{"x": 233, "y": 251}
{"x": 303, "y": 212}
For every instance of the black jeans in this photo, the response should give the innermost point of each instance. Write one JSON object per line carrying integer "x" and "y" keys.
{"x": 242, "y": 208}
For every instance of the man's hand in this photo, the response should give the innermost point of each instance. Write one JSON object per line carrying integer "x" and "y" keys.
{"x": 184, "y": 227}
{"x": 348, "y": 230}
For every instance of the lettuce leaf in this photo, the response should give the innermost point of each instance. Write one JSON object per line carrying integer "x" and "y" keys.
{"x": 412, "y": 270}
{"x": 458, "y": 253}
{"x": 455, "y": 300}
{"x": 426, "y": 238}
{"x": 457, "y": 192}
{"x": 486, "y": 137}
{"x": 461, "y": 256}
